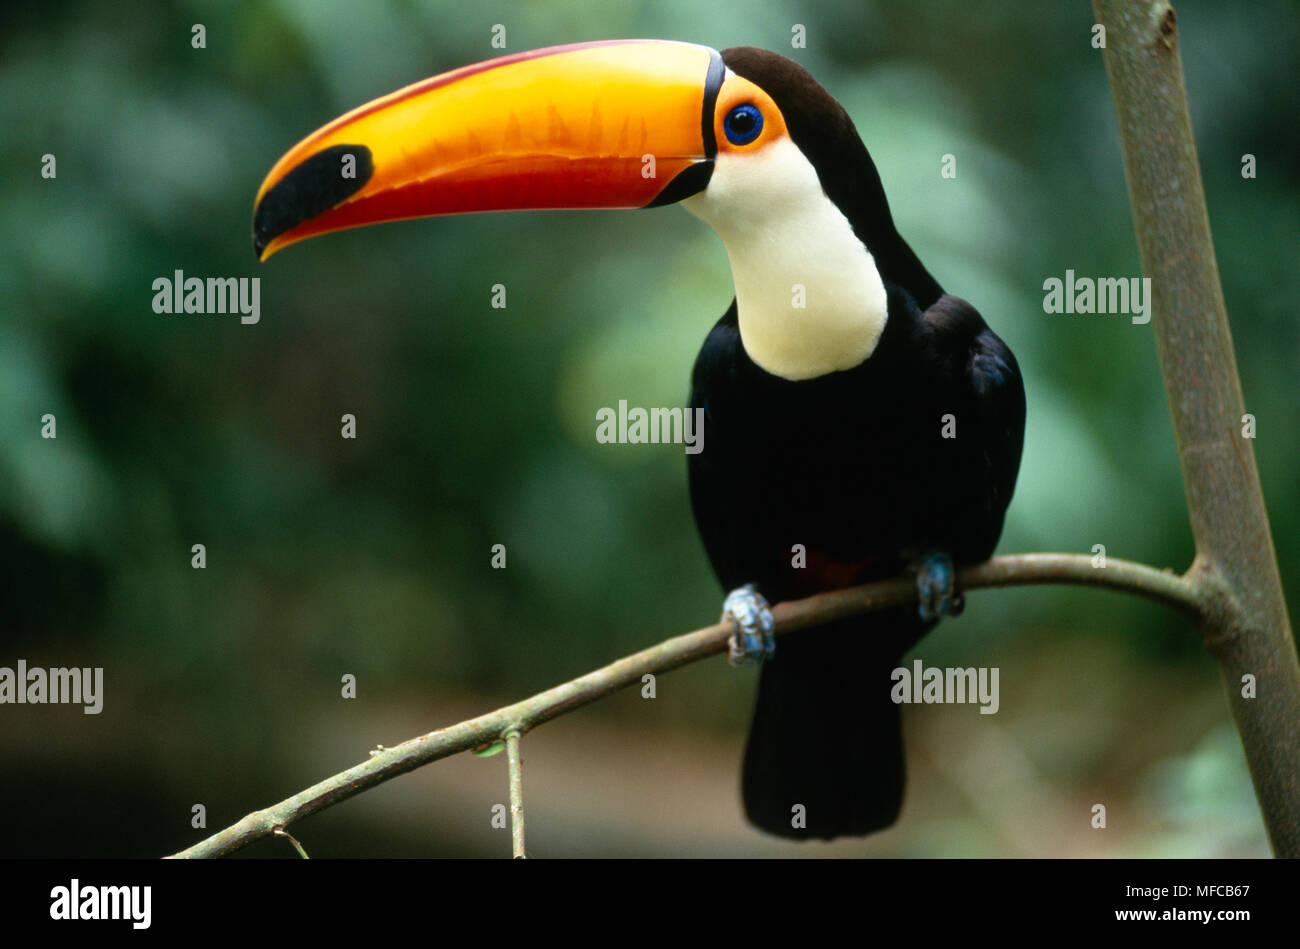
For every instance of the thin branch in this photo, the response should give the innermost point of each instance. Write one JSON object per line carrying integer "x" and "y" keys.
{"x": 1162, "y": 586}
{"x": 515, "y": 763}
{"x": 281, "y": 832}
{"x": 1246, "y": 625}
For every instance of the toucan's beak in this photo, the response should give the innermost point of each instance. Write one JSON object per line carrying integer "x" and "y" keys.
{"x": 621, "y": 124}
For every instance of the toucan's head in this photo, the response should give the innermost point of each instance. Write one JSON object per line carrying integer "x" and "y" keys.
{"x": 746, "y": 137}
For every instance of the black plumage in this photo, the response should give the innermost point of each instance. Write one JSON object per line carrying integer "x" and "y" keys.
{"x": 853, "y": 466}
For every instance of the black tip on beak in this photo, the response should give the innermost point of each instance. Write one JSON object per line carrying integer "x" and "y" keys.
{"x": 315, "y": 186}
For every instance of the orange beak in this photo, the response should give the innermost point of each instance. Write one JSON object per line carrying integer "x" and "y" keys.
{"x": 618, "y": 124}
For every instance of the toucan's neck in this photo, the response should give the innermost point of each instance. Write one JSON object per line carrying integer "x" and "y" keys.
{"x": 809, "y": 299}
{"x": 862, "y": 200}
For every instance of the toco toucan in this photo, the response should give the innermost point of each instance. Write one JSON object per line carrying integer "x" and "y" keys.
{"x": 860, "y": 421}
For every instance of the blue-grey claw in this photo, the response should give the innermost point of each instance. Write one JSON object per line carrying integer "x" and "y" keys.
{"x": 752, "y": 642}
{"x": 936, "y": 587}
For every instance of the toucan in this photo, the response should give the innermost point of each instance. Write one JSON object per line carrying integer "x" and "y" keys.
{"x": 861, "y": 422}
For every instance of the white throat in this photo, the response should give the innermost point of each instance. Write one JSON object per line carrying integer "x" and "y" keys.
{"x": 808, "y": 295}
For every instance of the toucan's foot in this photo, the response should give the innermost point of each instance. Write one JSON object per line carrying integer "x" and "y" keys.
{"x": 936, "y": 586}
{"x": 752, "y": 642}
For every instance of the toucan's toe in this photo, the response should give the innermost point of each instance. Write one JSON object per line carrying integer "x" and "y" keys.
{"x": 936, "y": 588}
{"x": 753, "y": 641}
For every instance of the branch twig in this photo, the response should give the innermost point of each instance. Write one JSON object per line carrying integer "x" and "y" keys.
{"x": 1246, "y": 627}
{"x": 1163, "y": 586}
{"x": 279, "y": 831}
{"x": 515, "y": 762}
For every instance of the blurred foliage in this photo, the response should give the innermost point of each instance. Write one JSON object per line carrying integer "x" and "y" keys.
{"x": 476, "y": 425}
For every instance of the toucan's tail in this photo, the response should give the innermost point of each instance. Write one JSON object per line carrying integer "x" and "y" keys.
{"x": 826, "y": 734}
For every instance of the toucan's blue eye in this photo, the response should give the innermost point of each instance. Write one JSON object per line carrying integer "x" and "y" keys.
{"x": 743, "y": 124}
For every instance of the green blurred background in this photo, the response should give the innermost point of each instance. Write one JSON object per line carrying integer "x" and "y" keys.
{"x": 476, "y": 427}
